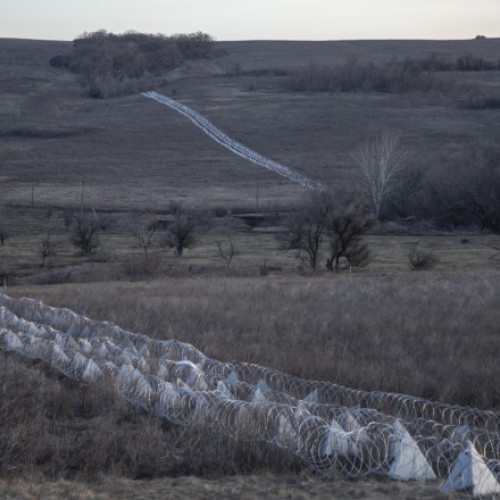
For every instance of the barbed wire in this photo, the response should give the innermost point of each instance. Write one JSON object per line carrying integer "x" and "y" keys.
{"x": 323, "y": 424}
{"x": 236, "y": 147}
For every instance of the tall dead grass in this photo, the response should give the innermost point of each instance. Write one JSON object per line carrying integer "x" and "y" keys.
{"x": 428, "y": 335}
{"x": 425, "y": 334}
{"x": 55, "y": 427}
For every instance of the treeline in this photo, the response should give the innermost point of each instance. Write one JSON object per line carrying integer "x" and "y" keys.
{"x": 114, "y": 64}
{"x": 462, "y": 192}
{"x": 397, "y": 76}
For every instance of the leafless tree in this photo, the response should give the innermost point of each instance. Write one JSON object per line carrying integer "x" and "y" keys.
{"x": 3, "y": 235}
{"x": 145, "y": 239}
{"x": 346, "y": 226}
{"x": 381, "y": 160}
{"x": 465, "y": 190}
{"x": 47, "y": 248}
{"x": 326, "y": 218}
{"x": 307, "y": 225}
{"x": 480, "y": 195}
{"x": 68, "y": 217}
{"x": 181, "y": 234}
{"x": 226, "y": 251}
{"x": 84, "y": 233}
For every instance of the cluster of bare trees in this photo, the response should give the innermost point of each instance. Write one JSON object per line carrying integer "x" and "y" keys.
{"x": 396, "y": 76}
{"x": 85, "y": 233}
{"x": 178, "y": 233}
{"x": 112, "y": 64}
{"x": 396, "y": 185}
{"x": 455, "y": 192}
{"x": 325, "y": 220}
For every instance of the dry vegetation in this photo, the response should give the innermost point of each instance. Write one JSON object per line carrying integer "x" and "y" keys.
{"x": 363, "y": 332}
{"x": 431, "y": 334}
{"x": 409, "y": 333}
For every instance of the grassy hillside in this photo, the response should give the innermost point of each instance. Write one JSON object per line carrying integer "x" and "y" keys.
{"x": 136, "y": 155}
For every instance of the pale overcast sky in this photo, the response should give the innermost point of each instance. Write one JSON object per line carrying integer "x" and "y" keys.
{"x": 254, "y": 19}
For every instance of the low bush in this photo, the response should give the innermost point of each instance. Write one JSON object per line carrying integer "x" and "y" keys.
{"x": 420, "y": 260}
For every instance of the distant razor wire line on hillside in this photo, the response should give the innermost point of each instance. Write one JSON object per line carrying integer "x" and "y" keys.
{"x": 234, "y": 146}
{"x": 323, "y": 424}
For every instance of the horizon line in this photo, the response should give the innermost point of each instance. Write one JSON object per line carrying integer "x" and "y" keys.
{"x": 389, "y": 39}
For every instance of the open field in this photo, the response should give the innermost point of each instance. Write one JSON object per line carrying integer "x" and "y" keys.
{"x": 257, "y": 250}
{"x": 136, "y": 155}
{"x": 431, "y": 334}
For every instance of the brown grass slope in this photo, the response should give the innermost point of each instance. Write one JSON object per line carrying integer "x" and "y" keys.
{"x": 137, "y": 153}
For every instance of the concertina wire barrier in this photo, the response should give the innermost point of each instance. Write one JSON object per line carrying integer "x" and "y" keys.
{"x": 323, "y": 424}
{"x": 236, "y": 147}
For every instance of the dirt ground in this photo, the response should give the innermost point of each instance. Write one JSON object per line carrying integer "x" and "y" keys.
{"x": 263, "y": 486}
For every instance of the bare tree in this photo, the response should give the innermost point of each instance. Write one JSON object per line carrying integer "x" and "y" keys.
{"x": 226, "y": 251}
{"x": 409, "y": 194}
{"x": 346, "y": 226}
{"x": 381, "y": 160}
{"x": 306, "y": 226}
{"x": 480, "y": 195}
{"x": 181, "y": 234}
{"x": 326, "y": 219}
{"x": 145, "y": 239}
{"x": 84, "y": 233}
{"x": 68, "y": 217}
{"x": 47, "y": 248}
{"x": 3, "y": 235}
{"x": 465, "y": 190}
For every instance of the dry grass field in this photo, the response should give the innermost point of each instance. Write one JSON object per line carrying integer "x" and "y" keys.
{"x": 137, "y": 156}
{"x": 426, "y": 334}
{"x": 432, "y": 334}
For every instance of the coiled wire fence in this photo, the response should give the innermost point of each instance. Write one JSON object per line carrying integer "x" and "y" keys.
{"x": 236, "y": 147}
{"x": 323, "y": 424}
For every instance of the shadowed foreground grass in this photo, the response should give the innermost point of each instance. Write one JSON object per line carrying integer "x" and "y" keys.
{"x": 267, "y": 485}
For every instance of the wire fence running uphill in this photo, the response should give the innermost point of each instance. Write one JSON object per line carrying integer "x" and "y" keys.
{"x": 322, "y": 424}
{"x": 236, "y": 147}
